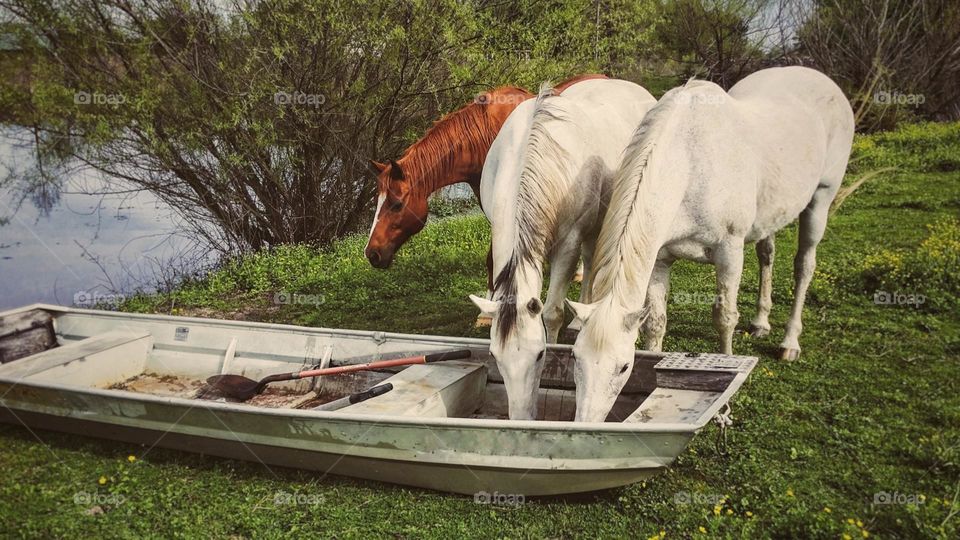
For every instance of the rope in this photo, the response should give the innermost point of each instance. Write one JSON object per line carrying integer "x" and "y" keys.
{"x": 723, "y": 420}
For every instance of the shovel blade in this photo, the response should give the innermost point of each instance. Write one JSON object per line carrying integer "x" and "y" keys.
{"x": 234, "y": 386}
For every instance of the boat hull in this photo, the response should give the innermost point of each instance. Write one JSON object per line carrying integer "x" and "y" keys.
{"x": 118, "y": 376}
{"x": 479, "y": 462}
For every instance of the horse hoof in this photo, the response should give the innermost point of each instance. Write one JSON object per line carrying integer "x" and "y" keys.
{"x": 789, "y": 354}
{"x": 758, "y": 331}
{"x": 483, "y": 322}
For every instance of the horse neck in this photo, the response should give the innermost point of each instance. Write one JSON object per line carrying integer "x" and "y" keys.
{"x": 647, "y": 196}
{"x": 453, "y": 151}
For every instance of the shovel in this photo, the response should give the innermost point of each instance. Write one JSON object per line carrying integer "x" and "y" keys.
{"x": 241, "y": 388}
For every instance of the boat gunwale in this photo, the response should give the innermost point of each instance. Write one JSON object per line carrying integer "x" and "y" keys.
{"x": 444, "y": 422}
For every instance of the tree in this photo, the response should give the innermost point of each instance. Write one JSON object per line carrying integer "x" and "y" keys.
{"x": 720, "y": 40}
{"x": 893, "y": 57}
{"x": 256, "y": 120}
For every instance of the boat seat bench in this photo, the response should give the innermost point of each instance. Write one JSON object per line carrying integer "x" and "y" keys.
{"x": 451, "y": 389}
{"x": 99, "y": 360}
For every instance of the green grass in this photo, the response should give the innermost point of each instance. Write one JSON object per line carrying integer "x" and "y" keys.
{"x": 872, "y": 406}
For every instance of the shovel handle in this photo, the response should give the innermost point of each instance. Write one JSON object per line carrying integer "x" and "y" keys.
{"x": 423, "y": 359}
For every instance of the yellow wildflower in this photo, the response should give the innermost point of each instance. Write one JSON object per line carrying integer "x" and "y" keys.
{"x": 716, "y": 510}
{"x": 851, "y": 521}
{"x": 847, "y": 537}
{"x": 827, "y": 509}
{"x": 789, "y": 492}
{"x": 131, "y": 459}
{"x": 865, "y": 534}
{"x": 102, "y": 480}
{"x": 749, "y": 513}
{"x": 729, "y": 511}
{"x": 859, "y": 524}
{"x": 703, "y": 530}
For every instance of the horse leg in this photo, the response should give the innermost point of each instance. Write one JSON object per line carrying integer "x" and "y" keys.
{"x": 562, "y": 267}
{"x": 482, "y": 319}
{"x": 729, "y": 263}
{"x": 761, "y": 322}
{"x": 655, "y": 325}
{"x": 586, "y": 266}
{"x": 813, "y": 222}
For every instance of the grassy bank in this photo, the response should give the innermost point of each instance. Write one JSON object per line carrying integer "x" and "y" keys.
{"x": 869, "y": 414}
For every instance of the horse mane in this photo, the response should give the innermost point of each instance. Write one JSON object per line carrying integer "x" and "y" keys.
{"x": 540, "y": 201}
{"x": 466, "y": 130}
{"x": 617, "y": 259}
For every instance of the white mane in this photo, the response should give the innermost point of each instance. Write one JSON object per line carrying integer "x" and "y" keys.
{"x": 624, "y": 245}
{"x": 547, "y": 171}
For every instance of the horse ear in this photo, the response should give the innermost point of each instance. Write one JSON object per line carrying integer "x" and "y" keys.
{"x": 379, "y": 167}
{"x": 581, "y": 311}
{"x": 632, "y": 320}
{"x": 487, "y": 307}
{"x": 395, "y": 172}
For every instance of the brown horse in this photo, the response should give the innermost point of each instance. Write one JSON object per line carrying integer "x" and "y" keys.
{"x": 452, "y": 151}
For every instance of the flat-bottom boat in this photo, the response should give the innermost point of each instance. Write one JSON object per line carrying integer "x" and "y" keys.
{"x": 140, "y": 379}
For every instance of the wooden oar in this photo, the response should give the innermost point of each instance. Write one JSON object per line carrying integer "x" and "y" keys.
{"x": 242, "y": 388}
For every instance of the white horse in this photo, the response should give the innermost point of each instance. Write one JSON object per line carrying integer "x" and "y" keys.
{"x": 543, "y": 189}
{"x": 706, "y": 172}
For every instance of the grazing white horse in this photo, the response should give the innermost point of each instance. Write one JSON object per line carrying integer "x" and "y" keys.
{"x": 543, "y": 189}
{"x": 706, "y": 172}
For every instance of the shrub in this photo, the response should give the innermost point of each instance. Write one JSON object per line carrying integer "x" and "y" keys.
{"x": 931, "y": 272}
{"x": 923, "y": 147}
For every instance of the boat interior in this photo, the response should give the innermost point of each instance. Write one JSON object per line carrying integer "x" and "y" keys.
{"x": 173, "y": 357}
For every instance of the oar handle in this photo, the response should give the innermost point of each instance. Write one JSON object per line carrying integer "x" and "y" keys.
{"x": 425, "y": 359}
{"x": 447, "y": 355}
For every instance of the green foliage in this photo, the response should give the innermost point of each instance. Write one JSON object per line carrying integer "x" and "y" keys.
{"x": 712, "y": 39}
{"x": 927, "y": 147}
{"x": 929, "y": 273}
{"x": 441, "y": 207}
{"x": 257, "y": 124}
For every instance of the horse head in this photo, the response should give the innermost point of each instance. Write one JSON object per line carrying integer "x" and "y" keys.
{"x": 400, "y": 214}
{"x": 518, "y": 343}
{"x": 603, "y": 355}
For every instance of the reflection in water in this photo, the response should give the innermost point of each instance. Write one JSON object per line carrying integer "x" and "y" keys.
{"x": 72, "y": 243}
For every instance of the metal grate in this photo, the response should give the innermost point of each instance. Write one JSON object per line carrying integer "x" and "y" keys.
{"x": 706, "y": 362}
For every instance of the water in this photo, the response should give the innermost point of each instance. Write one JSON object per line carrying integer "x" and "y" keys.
{"x": 77, "y": 246}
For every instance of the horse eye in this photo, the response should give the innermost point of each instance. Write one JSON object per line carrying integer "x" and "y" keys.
{"x": 397, "y": 206}
{"x": 624, "y": 369}
{"x": 540, "y": 356}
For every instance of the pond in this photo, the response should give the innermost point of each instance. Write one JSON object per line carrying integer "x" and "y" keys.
{"x": 73, "y": 244}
